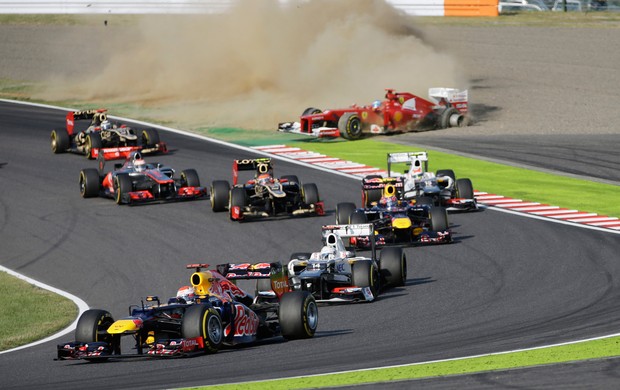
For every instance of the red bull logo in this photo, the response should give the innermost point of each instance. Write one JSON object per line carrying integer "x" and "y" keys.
{"x": 246, "y": 321}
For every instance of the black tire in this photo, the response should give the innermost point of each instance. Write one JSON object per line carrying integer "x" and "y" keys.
{"x": 89, "y": 182}
{"x": 444, "y": 118}
{"x": 189, "y": 178}
{"x": 238, "y": 197}
{"x": 311, "y": 111}
{"x": 220, "y": 194}
{"x": 446, "y": 172}
{"x": 343, "y": 212}
{"x": 291, "y": 179}
{"x": 358, "y": 217}
{"x": 310, "y": 193}
{"x": 439, "y": 219}
{"x": 298, "y": 315}
{"x": 122, "y": 185}
{"x": 464, "y": 189}
{"x": 150, "y": 138}
{"x": 365, "y": 274}
{"x": 393, "y": 266}
{"x": 350, "y": 126}
{"x": 60, "y": 141}
{"x": 93, "y": 141}
{"x": 203, "y": 321}
{"x": 93, "y": 325}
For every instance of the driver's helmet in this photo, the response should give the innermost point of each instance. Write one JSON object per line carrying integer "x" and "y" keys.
{"x": 328, "y": 253}
{"x": 106, "y": 125}
{"x": 416, "y": 171}
{"x": 186, "y": 293}
{"x": 376, "y": 104}
{"x": 139, "y": 165}
{"x": 264, "y": 179}
{"x": 388, "y": 197}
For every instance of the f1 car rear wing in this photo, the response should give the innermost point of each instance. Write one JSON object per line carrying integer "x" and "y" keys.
{"x": 456, "y": 97}
{"x": 260, "y": 165}
{"x": 274, "y": 271}
{"x": 352, "y": 231}
{"x": 410, "y": 158}
{"x": 99, "y": 115}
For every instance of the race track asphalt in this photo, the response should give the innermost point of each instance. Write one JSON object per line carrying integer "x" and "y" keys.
{"x": 507, "y": 282}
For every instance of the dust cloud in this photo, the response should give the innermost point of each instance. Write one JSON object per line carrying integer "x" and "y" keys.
{"x": 264, "y": 62}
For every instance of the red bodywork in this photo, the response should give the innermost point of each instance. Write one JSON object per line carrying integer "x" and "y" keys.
{"x": 399, "y": 111}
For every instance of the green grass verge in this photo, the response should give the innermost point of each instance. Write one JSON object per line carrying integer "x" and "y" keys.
{"x": 561, "y": 354}
{"x": 29, "y": 313}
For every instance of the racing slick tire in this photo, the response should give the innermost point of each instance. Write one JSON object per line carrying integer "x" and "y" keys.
{"x": 343, "y": 212}
{"x": 150, "y": 138}
{"x": 372, "y": 195}
{"x": 439, "y": 218}
{"x": 189, "y": 178}
{"x": 350, "y": 126}
{"x": 310, "y": 193}
{"x": 122, "y": 186}
{"x": 311, "y": 111}
{"x": 220, "y": 194}
{"x": 445, "y": 120}
{"x": 60, "y": 141}
{"x": 92, "y": 326}
{"x": 93, "y": 141}
{"x": 464, "y": 189}
{"x": 358, "y": 217}
{"x": 89, "y": 182}
{"x": 298, "y": 315}
{"x": 365, "y": 274}
{"x": 238, "y": 197}
{"x": 203, "y": 321}
{"x": 446, "y": 172}
{"x": 393, "y": 266}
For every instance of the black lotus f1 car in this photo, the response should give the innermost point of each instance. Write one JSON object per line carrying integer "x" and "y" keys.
{"x": 264, "y": 195}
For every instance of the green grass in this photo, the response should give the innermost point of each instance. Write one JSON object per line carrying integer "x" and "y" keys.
{"x": 567, "y": 353}
{"x": 29, "y": 313}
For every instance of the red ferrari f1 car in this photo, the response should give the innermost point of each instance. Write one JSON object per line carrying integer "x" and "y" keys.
{"x": 136, "y": 181}
{"x": 398, "y": 112}
{"x": 112, "y": 140}
{"x": 264, "y": 195}
{"x": 201, "y": 318}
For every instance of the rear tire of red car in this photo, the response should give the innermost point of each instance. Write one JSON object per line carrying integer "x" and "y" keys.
{"x": 365, "y": 274}
{"x": 93, "y": 325}
{"x": 93, "y": 141}
{"x": 439, "y": 219}
{"x": 464, "y": 189}
{"x": 60, "y": 141}
{"x": 311, "y": 193}
{"x": 220, "y": 193}
{"x": 393, "y": 266}
{"x": 122, "y": 186}
{"x": 203, "y": 321}
{"x": 298, "y": 315}
{"x": 343, "y": 212}
{"x": 350, "y": 126}
{"x": 89, "y": 182}
{"x": 444, "y": 119}
{"x": 189, "y": 178}
{"x": 150, "y": 138}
